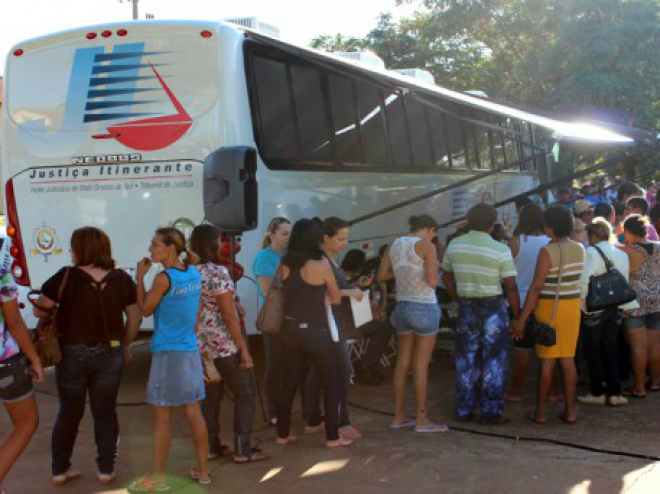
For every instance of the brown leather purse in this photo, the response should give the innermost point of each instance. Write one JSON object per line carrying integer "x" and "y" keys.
{"x": 46, "y": 337}
{"x": 271, "y": 315}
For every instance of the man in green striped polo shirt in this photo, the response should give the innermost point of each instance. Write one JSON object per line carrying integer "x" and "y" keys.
{"x": 475, "y": 269}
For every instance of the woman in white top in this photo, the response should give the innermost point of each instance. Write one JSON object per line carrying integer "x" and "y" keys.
{"x": 412, "y": 261}
{"x": 529, "y": 238}
{"x": 600, "y": 330}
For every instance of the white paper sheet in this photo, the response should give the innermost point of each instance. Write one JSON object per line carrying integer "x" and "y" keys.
{"x": 332, "y": 324}
{"x": 362, "y": 310}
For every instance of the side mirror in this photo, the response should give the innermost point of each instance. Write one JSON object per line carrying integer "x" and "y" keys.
{"x": 230, "y": 189}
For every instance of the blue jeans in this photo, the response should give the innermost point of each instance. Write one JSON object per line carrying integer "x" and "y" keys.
{"x": 97, "y": 371}
{"x": 482, "y": 356}
{"x": 416, "y": 317}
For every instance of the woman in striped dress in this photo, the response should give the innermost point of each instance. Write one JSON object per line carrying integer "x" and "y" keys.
{"x": 556, "y": 302}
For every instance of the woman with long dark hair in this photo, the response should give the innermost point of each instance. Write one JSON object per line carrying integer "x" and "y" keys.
{"x": 221, "y": 339}
{"x": 642, "y": 325}
{"x": 309, "y": 282}
{"x": 95, "y": 297}
{"x": 528, "y": 240}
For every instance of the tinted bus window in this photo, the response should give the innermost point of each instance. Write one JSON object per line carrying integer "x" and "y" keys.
{"x": 312, "y": 116}
{"x": 398, "y": 130}
{"x": 277, "y": 121}
{"x": 371, "y": 121}
{"x": 419, "y": 134}
{"x": 344, "y": 119}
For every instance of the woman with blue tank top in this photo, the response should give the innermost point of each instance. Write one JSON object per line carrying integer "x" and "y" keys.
{"x": 528, "y": 240}
{"x": 176, "y": 376}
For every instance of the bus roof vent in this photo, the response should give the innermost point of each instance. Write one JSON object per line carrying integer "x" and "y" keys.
{"x": 419, "y": 74}
{"x": 364, "y": 58}
{"x": 256, "y": 25}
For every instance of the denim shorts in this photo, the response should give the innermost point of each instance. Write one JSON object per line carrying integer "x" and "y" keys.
{"x": 415, "y": 317}
{"x": 175, "y": 379}
{"x": 15, "y": 379}
{"x": 648, "y": 321}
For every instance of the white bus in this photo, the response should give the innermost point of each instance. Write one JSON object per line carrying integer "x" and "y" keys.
{"x": 111, "y": 125}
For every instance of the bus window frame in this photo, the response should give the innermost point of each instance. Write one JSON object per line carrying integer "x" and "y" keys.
{"x": 252, "y": 49}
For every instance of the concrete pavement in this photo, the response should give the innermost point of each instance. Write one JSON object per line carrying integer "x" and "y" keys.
{"x": 384, "y": 461}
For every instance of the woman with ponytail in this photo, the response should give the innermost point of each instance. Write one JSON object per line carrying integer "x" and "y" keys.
{"x": 264, "y": 268}
{"x": 176, "y": 377}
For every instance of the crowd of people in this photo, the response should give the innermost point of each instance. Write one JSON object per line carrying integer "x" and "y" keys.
{"x": 502, "y": 286}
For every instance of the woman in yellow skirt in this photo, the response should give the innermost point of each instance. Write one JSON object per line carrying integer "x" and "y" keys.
{"x": 554, "y": 298}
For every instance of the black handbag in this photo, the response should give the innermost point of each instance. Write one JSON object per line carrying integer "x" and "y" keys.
{"x": 609, "y": 289}
{"x": 540, "y": 333}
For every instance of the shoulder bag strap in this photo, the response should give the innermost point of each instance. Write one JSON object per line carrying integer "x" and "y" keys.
{"x": 64, "y": 281}
{"x": 561, "y": 275}
{"x": 608, "y": 264}
{"x": 277, "y": 280}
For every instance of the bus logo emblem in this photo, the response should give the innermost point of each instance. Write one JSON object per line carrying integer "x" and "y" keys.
{"x": 45, "y": 242}
{"x": 111, "y": 82}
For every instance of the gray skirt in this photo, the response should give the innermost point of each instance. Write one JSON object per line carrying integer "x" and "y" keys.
{"x": 175, "y": 379}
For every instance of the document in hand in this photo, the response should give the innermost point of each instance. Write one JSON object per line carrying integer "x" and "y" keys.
{"x": 362, "y": 310}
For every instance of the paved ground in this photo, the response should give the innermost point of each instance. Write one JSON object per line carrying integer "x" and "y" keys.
{"x": 384, "y": 461}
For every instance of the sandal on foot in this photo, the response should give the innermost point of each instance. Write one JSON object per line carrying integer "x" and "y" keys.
{"x": 315, "y": 429}
{"x": 223, "y": 453}
{"x": 631, "y": 393}
{"x": 149, "y": 483}
{"x": 257, "y": 455}
{"x": 531, "y": 415}
{"x": 283, "y": 441}
{"x": 407, "y": 422}
{"x": 432, "y": 427}
{"x": 350, "y": 432}
{"x": 63, "y": 478}
{"x": 105, "y": 478}
{"x": 195, "y": 475}
{"x": 339, "y": 443}
{"x": 562, "y": 416}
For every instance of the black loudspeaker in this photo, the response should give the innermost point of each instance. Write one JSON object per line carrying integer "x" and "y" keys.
{"x": 230, "y": 189}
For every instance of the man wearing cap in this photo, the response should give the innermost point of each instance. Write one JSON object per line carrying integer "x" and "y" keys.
{"x": 584, "y": 213}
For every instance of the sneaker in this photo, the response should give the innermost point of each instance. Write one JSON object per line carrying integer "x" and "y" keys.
{"x": 590, "y": 399}
{"x": 617, "y": 401}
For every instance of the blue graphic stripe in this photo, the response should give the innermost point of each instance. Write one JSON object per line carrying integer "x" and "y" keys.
{"x": 103, "y": 93}
{"x": 107, "y": 57}
{"x": 95, "y": 117}
{"x": 78, "y": 85}
{"x": 104, "y": 81}
{"x": 99, "y": 105}
{"x": 104, "y": 69}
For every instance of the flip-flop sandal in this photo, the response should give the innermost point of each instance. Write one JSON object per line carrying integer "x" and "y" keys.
{"x": 562, "y": 417}
{"x": 194, "y": 474}
{"x": 432, "y": 427}
{"x": 654, "y": 389}
{"x": 149, "y": 484}
{"x": 629, "y": 393}
{"x": 531, "y": 416}
{"x": 408, "y": 422}
{"x": 257, "y": 455}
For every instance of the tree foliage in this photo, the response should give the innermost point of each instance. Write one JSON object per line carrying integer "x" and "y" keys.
{"x": 595, "y": 58}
